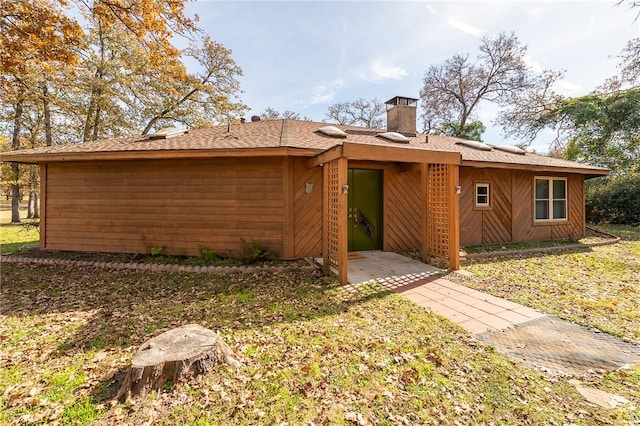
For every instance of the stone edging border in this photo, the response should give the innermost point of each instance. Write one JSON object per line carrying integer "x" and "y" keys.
{"x": 162, "y": 267}
{"x": 544, "y": 250}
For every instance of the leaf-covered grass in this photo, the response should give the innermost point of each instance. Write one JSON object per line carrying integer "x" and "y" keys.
{"x": 591, "y": 237}
{"x": 15, "y": 236}
{"x": 599, "y": 287}
{"x": 312, "y": 352}
{"x": 517, "y": 246}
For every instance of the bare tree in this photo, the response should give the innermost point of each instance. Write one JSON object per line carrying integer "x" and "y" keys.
{"x": 361, "y": 112}
{"x": 629, "y": 74}
{"x": 273, "y": 114}
{"x": 453, "y": 90}
{"x": 522, "y": 115}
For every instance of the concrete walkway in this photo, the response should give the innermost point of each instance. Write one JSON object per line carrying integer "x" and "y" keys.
{"x": 475, "y": 311}
{"x": 543, "y": 341}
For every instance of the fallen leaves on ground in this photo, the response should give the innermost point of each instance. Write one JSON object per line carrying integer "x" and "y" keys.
{"x": 312, "y": 353}
{"x": 598, "y": 288}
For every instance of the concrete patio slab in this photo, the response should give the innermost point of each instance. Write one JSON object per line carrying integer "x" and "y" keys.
{"x": 382, "y": 265}
{"x": 419, "y": 282}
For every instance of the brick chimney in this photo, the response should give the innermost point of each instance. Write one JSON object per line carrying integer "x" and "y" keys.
{"x": 401, "y": 115}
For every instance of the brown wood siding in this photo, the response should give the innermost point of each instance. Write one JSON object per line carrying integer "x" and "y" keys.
{"x": 487, "y": 225}
{"x": 575, "y": 227}
{"x": 402, "y": 207}
{"x": 307, "y": 210}
{"x": 182, "y": 205}
{"x": 497, "y": 220}
{"x": 470, "y": 219}
{"x": 522, "y": 196}
{"x": 510, "y": 215}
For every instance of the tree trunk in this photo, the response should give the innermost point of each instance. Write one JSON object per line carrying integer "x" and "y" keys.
{"x": 93, "y": 113}
{"x": 36, "y": 205}
{"x": 15, "y": 145}
{"x": 15, "y": 194}
{"x": 176, "y": 355}
{"x": 31, "y": 206}
{"x": 47, "y": 114}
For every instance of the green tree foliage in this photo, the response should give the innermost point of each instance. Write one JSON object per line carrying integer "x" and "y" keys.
{"x": 471, "y": 131}
{"x": 605, "y": 129}
{"x": 601, "y": 128}
{"x": 614, "y": 199}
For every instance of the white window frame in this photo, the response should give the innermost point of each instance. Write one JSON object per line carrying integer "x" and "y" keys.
{"x": 550, "y": 201}
{"x": 482, "y": 185}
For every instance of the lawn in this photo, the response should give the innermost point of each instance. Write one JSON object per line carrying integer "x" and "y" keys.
{"x": 597, "y": 287}
{"x": 313, "y": 354}
{"x": 15, "y": 236}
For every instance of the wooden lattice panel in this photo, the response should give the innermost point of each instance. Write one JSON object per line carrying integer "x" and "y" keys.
{"x": 438, "y": 210}
{"x": 332, "y": 171}
{"x": 334, "y": 243}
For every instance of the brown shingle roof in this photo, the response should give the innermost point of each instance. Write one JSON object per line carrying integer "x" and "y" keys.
{"x": 292, "y": 134}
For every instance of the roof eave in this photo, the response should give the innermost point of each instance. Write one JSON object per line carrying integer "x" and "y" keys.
{"x": 37, "y": 158}
{"x": 589, "y": 172}
{"x": 386, "y": 153}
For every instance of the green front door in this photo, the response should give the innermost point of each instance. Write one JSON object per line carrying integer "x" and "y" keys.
{"x": 365, "y": 209}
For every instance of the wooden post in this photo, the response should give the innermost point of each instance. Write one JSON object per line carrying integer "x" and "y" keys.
{"x": 454, "y": 216}
{"x": 424, "y": 170}
{"x": 342, "y": 220}
{"x": 43, "y": 206}
{"x": 583, "y": 205}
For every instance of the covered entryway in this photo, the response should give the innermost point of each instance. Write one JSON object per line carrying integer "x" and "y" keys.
{"x": 436, "y": 220}
{"x": 364, "y": 225}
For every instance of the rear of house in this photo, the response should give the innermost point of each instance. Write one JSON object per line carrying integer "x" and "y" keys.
{"x": 303, "y": 189}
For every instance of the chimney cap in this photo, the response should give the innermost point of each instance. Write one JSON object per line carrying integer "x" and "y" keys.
{"x": 401, "y": 100}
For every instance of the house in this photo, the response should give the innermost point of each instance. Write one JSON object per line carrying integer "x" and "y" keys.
{"x": 303, "y": 189}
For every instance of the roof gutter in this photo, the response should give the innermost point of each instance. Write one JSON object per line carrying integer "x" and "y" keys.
{"x": 55, "y": 157}
{"x": 589, "y": 172}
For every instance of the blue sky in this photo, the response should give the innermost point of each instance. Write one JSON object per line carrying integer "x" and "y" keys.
{"x": 305, "y": 55}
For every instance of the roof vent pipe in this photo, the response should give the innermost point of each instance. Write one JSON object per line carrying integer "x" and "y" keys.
{"x": 255, "y": 118}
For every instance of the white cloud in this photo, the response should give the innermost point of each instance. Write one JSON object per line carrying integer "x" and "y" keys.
{"x": 432, "y": 10}
{"x": 379, "y": 71}
{"x": 567, "y": 86}
{"x": 465, "y": 27}
{"x": 532, "y": 64}
{"x": 322, "y": 95}
{"x": 536, "y": 12}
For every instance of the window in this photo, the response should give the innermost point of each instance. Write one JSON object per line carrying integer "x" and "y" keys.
{"x": 550, "y": 199}
{"x": 482, "y": 195}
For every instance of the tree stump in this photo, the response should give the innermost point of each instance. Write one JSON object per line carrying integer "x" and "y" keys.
{"x": 179, "y": 354}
